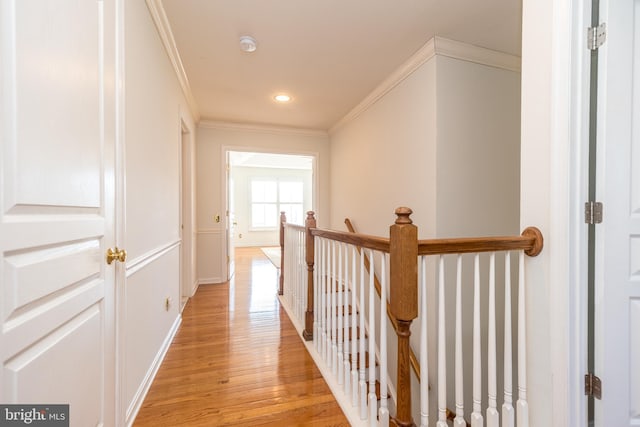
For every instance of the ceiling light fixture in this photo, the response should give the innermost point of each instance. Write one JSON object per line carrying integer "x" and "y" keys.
{"x": 282, "y": 98}
{"x": 248, "y": 44}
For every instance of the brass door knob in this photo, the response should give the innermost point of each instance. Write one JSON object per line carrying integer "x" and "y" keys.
{"x": 116, "y": 254}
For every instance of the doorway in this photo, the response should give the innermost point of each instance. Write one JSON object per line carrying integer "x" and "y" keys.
{"x": 259, "y": 186}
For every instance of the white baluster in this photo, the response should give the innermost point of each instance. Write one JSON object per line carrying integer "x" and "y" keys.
{"x": 476, "y": 416}
{"x": 493, "y": 418}
{"x": 354, "y": 326}
{"x": 316, "y": 293}
{"x": 373, "y": 399}
{"x": 383, "y": 412}
{"x": 302, "y": 283}
{"x": 346, "y": 367}
{"x": 340, "y": 308}
{"x": 373, "y": 419}
{"x": 424, "y": 360}
{"x": 292, "y": 288}
{"x": 334, "y": 316}
{"x": 459, "y": 420}
{"x": 508, "y": 413}
{"x": 303, "y": 277}
{"x": 362, "y": 373}
{"x": 522, "y": 412}
{"x": 442, "y": 349}
{"x": 325, "y": 300}
{"x": 296, "y": 273}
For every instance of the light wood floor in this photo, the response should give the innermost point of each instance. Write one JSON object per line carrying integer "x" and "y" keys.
{"x": 237, "y": 360}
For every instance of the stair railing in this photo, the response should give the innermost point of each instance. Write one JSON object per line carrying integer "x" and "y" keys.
{"x": 324, "y": 321}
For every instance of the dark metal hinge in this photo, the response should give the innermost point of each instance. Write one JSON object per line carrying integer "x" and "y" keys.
{"x": 593, "y": 213}
{"x": 592, "y": 386}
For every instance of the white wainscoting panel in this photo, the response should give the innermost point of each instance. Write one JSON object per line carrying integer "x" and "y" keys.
{"x": 148, "y": 321}
{"x": 211, "y": 268}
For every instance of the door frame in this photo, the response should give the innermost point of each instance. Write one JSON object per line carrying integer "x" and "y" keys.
{"x": 225, "y": 149}
{"x": 557, "y": 101}
{"x": 120, "y": 214}
{"x": 578, "y": 77}
{"x": 187, "y": 197}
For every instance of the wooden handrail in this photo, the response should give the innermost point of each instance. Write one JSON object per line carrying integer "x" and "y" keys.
{"x": 363, "y": 240}
{"x": 415, "y": 365}
{"x": 530, "y": 241}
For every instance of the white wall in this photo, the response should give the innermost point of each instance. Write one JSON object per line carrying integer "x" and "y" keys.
{"x": 212, "y": 139}
{"x": 154, "y": 108}
{"x": 386, "y": 158}
{"x": 245, "y": 236}
{"x": 478, "y": 145}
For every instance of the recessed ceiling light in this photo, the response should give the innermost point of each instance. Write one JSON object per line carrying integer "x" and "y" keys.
{"x": 282, "y": 98}
{"x": 248, "y": 44}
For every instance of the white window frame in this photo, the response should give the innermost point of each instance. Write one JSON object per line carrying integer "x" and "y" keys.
{"x": 278, "y": 181}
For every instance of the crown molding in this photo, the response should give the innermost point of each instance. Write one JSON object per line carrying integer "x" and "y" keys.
{"x": 424, "y": 54}
{"x": 161, "y": 22}
{"x": 434, "y": 47}
{"x": 260, "y": 128}
{"x": 476, "y": 54}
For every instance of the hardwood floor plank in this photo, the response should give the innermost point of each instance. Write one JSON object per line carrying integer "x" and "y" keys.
{"x": 238, "y": 361}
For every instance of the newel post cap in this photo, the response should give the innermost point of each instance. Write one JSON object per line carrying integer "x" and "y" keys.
{"x": 403, "y": 214}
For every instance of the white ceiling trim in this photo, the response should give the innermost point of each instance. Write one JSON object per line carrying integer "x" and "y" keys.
{"x": 250, "y": 127}
{"x": 477, "y": 54}
{"x": 435, "y": 46}
{"x": 424, "y": 54}
{"x": 159, "y": 18}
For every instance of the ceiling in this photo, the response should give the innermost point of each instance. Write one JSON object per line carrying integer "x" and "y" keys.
{"x": 327, "y": 54}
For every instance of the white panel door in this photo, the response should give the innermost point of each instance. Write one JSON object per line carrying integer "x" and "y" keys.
{"x": 618, "y": 237}
{"x": 57, "y": 206}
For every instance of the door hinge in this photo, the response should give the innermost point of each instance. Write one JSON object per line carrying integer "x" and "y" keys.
{"x": 593, "y": 213}
{"x": 596, "y": 36}
{"x": 592, "y": 386}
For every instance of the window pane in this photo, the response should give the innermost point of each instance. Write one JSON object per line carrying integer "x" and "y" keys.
{"x": 263, "y": 191}
{"x": 257, "y": 215}
{"x": 294, "y": 213}
{"x": 270, "y": 192}
{"x": 264, "y": 215}
{"x": 271, "y": 215}
{"x": 291, "y": 192}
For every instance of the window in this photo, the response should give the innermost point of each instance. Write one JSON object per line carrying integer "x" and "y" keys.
{"x": 270, "y": 197}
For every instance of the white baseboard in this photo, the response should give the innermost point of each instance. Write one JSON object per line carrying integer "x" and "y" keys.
{"x": 138, "y": 399}
{"x": 194, "y": 288}
{"x": 210, "y": 281}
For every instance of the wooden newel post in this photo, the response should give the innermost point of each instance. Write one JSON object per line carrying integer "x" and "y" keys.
{"x": 309, "y": 224}
{"x": 283, "y": 221}
{"x": 404, "y": 303}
